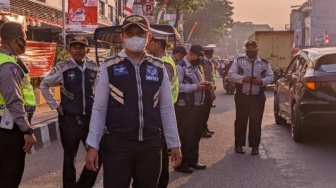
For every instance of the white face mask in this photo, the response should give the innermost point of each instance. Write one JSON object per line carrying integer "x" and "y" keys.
{"x": 135, "y": 44}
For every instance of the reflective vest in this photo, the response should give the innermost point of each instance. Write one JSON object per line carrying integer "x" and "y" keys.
{"x": 174, "y": 83}
{"x": 26, "y": 88}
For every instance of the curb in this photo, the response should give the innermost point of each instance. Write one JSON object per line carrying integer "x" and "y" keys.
{"x": 45, "y": 133}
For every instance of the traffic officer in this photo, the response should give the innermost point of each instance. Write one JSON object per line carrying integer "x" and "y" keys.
{"x": 251, "y": 75}
{"x": 178, "y": 54}
{"x": 16, "y": 100}
{"x": 189, "y": 108}
{"x": 76, "y": 77}
{"x": 157, "y": 47}
{"x": 209, "y": 73}
{"x": 135, "y": 103}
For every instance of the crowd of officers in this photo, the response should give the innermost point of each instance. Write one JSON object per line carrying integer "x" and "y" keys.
{"x": 139, "y": 107}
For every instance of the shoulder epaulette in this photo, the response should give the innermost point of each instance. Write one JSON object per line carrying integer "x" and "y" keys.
{"x": 115, "y": 59}
{"x": 264, "y": 60}
{"x": 241, "y": 57}
{"x": 155, "y": 61}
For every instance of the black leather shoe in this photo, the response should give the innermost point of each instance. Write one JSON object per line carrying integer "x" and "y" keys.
{"x": 213, "y": 105}
{"x": 239, "y": 149}
{"x": 255, "y": 151}
{"x": 206, "y": 134}
{"x": 184, "y": 169}
{"x": 199, "y": 166}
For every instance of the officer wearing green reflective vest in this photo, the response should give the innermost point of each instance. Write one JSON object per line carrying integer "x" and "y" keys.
{"x": 16, "y": 99}
{"x": 25, "y": 87}
{"x": 157, "y": 47}
{"x": 209, "y": 74}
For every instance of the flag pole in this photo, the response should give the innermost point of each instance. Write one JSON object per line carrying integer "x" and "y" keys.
{"x": 192, "y": 30}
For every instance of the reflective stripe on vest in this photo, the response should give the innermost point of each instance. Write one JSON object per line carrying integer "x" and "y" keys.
{"x": 26, "y": 88}
{"x": 174, "y": 84}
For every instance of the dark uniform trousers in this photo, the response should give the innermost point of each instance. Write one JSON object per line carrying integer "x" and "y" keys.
{"x": 73, "y": 130}
{"x": 12, "y": 157}
{"x": 249, "y": 108}
{"x": 164, "y": 176}
{"x": 189, "y": 124}
{"x": 125, "y": 159}
{"x": 206, "y": 110}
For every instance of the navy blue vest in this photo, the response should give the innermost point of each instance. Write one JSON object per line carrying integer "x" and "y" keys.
{"x": 75, "y": 82}
{"x": 134, "y": 109}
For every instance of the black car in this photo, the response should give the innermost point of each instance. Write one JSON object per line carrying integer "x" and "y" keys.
{"x": 305, "y": 95}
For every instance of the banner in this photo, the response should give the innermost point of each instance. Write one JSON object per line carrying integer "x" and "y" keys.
{"x": 39, "y": 57}
{"x": 102, "y": 54}
{"x": 82, "y": 15}
{"x": 4, "y": 4}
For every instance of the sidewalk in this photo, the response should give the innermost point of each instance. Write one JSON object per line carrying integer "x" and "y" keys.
{"x": 45, "y": 124}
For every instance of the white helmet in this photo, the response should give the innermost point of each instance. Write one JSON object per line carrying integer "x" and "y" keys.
{"x": 231, "y": 58}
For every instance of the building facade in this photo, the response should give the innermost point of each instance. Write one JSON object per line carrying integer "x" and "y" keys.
{"x": 314, "y": 23}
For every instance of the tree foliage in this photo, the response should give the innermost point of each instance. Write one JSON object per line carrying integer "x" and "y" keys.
{"x": 181, "y": 7}
{"x": 213, "y": 22}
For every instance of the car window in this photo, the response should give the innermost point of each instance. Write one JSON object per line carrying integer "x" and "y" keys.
{"x": 327, "y": 63}
{"x": 293, "y": 66}
{"x": 302, "y": 64}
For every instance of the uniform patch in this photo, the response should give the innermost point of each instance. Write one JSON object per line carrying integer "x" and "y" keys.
{"x": 14, "y": 70}
{"x": 93, "y": 75}
{"x": 261, "y": 66}
{"x": 120, "y": 70}
{"x": 71, "y": 75}
{"x": 53, "y": 71}
{"x": 244, "y": 62}
{"x": 152, "y": 73}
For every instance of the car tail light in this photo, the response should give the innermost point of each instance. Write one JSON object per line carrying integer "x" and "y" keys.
{"x": 311, "y": 85}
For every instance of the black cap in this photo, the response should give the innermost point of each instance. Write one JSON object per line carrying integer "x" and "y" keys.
{"x": 197, "y": 50}
{"x": 141, "y": 21}
{"x": 251, "y": 43}
{"x": 180, "y": 49}
{"x": 79, "y": 40}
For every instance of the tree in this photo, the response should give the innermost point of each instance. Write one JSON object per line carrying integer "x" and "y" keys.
{"x": 213, "y": 22}
{"x": 180, "y": 7}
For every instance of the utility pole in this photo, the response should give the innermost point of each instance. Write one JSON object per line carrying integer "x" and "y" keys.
{"x": 63, "y": 34}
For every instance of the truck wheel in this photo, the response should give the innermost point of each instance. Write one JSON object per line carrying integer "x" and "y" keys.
{"x": 297, "y": 129}
{"x": 278, "y": 119}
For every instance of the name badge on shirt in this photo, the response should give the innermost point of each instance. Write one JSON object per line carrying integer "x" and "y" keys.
{"x": 120, "y": 70}
{"x": 152, "y": 73}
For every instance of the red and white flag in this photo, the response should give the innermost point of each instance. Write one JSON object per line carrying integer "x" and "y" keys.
{"x": 327, "y": 39}
{"x": 293, "y": 47}
{"x": 128, "y": 7}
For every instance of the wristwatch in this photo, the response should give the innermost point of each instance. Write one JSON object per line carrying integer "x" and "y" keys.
{"x": 29, "y": 131}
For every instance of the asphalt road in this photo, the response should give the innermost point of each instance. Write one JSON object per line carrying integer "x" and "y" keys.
{"x": 281, "y": 163}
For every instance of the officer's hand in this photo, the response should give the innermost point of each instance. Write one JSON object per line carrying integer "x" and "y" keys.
{"x": 92, "y": 159}
{"x": 201, "y": 87}
{"x": 29, "y": 142}
{"x": 175, "y": 157}
{"x": 60, "y": 110}
{"x": 247, "y": 79}
{"x": 257, "y": 81}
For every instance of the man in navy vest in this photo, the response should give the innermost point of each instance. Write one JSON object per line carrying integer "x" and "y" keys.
{"x": 251, "y": 75}
{"x": 189, "y": 108}
{"x": 135, "y": 103}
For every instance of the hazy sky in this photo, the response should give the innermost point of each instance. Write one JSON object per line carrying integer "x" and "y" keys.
{"x": 272, "y": 12}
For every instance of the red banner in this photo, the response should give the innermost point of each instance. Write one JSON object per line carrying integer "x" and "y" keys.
{"x": 82, "y": 15}
{"x": 39, "y": 58}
